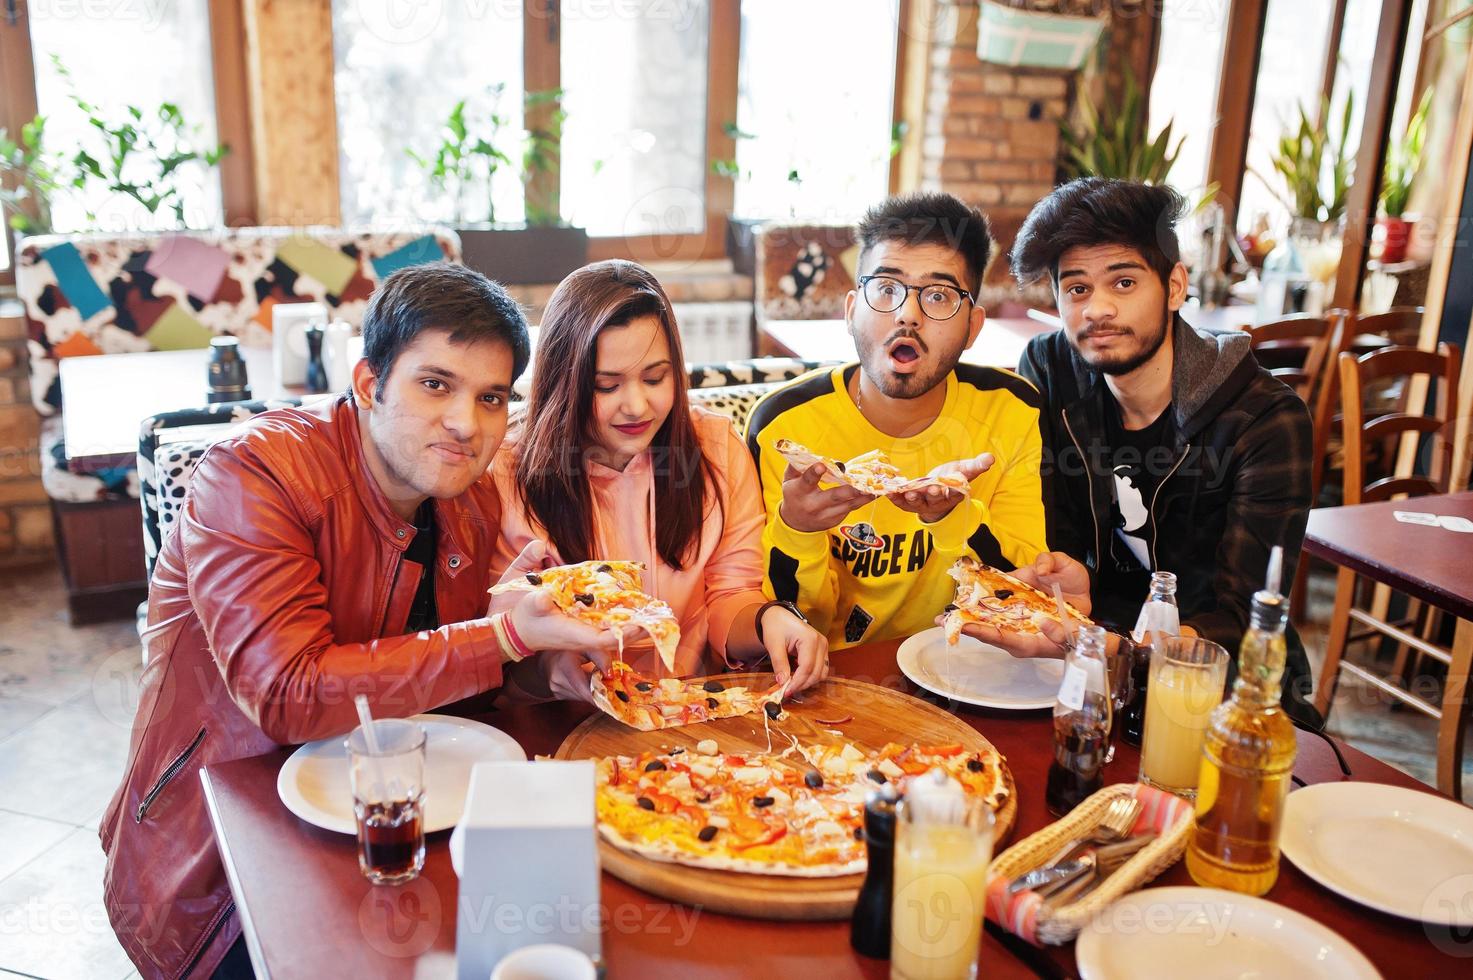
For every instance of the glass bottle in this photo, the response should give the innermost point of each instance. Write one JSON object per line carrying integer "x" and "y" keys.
{"x": 1081, "y": 723}
{"x": 1159, "y": 616}
{"x": 316, "y": 369}
{"x": 869, "y": 929}
{"x": 1247, "y": 763}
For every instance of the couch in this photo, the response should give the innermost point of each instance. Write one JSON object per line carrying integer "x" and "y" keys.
{"x": 96, "y": 294}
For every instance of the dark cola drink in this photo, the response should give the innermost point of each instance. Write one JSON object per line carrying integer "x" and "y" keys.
{"x": 1079, "y": 759}
{"x": 391, "y": 840}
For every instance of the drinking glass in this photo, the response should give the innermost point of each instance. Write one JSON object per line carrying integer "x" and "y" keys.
{"x": 1188, "y": 675}
{"x": 388, "y": 801}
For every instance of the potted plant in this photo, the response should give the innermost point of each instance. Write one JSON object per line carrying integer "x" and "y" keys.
{"x": 741, "y": 232}
{"x": 472, "y": 149}
{"x": 30, "y": 178}
{"x": 1305, "y": 157}
{"x": 1403, "y": 162}
{"x": 142, "y": 156}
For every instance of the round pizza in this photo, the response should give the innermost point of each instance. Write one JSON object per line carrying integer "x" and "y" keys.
{"x": 994, "y": 598}
{"x": 768, "y": 813}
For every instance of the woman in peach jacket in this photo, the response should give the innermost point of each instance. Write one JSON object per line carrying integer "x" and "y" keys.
{"x": 611, "y": 461}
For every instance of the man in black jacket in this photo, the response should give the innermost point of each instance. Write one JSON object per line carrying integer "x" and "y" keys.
{"x": 1166, "y": 448}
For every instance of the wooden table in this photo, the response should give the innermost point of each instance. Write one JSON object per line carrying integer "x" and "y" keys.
{"x": 307, "y": 911}
{"x": 107, "y": 397}
{"x": 1427, "y": 563}
{"x": 1000, "y": 344}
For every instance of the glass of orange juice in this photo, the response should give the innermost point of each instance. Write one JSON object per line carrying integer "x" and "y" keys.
{"x": 943, "y": 844}
{"x": 1186, "y": 682}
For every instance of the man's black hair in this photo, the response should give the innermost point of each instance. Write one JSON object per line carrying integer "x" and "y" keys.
{"x": 930, "y": 218}
{"x": 1098, "y": 211}
{"x": 440, "y": 296}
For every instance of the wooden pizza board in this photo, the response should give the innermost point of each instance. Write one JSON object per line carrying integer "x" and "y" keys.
{"x": 879, "y": 715}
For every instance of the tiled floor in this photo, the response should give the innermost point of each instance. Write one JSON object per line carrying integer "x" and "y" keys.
{"x": 65, "y": 713}
{"x": 66, "y": 706}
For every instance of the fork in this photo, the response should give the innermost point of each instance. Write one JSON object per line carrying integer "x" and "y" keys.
{"x": 1113, "y": 826}
{"x": 1088, "y": 871}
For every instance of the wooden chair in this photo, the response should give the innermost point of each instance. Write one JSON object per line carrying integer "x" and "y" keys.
{"x": 1360, "y": 434}
{"x": 1300, "y": 351}
{"x": 1295, "y": 350}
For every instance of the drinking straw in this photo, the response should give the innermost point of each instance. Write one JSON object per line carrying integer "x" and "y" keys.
{"x": 1275, "y": 569}
{"x": 370, "y": 735}
{"x": 1070, "y": 632}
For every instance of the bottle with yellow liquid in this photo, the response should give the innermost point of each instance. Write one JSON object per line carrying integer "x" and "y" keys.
{"x": 1247, "y": 761}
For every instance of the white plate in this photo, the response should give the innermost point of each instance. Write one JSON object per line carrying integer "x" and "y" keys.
{"x": 1211, "y": 934}
{"x": 314, "y": 782}
{"x": 1393, "y": 849}
{"x": 979, "y": 673}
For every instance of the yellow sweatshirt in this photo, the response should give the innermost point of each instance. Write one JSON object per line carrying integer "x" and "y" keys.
{"x": 858, "y": 596}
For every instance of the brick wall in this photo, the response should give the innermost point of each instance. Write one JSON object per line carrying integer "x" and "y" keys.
{"x": 25, "y": 516}
{"x": 991, "y": 133}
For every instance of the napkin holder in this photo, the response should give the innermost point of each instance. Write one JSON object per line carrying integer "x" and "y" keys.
{"x": 530, "y": 871}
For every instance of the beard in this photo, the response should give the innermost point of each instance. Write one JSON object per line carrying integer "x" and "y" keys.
{"x": 875, "y": 361}
{"x": 1124, "y": 362}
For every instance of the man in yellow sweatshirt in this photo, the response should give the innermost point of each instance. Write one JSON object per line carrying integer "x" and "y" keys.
{"x": 864, "y": 568}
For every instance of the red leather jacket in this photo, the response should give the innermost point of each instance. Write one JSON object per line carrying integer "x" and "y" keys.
{"x": 280, "y": 596}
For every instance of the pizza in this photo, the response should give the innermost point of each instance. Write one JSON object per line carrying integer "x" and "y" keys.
{"x": 606, "y": 595}
{"x": 871, "y": 472}
{"x": 994, "y": 598}
{"x": 768, "y": 813}
{"x": 649, "y": 704}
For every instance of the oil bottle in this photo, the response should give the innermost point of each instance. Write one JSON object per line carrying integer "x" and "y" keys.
{"x": 1247, "y": 760}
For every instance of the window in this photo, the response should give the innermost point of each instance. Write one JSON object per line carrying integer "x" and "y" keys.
{"x": 103, "y": 52}
{"x": 1290, "y": 73}
{"x": 396, "y": 84}
{"x": 634, "y": 143}
{"x": 815, "y": 96}
{"x": 1185, "y": 93}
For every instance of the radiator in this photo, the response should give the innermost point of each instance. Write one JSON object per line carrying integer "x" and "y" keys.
{"x": 715, "y": 331}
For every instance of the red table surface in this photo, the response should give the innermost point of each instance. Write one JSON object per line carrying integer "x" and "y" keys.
{"x": 1429, "y": 563}
{"x": 311, "y": 913}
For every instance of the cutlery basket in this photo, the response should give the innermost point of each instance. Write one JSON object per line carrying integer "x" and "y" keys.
{"x": 1025, "y": 913}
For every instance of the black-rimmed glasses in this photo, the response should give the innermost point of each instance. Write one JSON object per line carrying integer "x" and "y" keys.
{"x": 886, "y": 294}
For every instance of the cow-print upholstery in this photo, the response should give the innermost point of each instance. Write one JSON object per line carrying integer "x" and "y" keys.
{"x": 804, "y": 271}
{"x": 166, "y": 464}
{"x": 735, "y": 402}
{"x": 757, "y": 370}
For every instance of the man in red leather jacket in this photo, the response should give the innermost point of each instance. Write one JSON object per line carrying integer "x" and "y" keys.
{"x": 323, "y": 552}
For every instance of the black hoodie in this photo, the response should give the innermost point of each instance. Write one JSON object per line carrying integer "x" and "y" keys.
{"x": 1239, "y": 483}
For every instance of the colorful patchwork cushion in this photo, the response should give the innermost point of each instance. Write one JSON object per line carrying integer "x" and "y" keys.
{"x": 103, "y": 295}
{"x": 79, "y": 488}
{"x": 804, "y": 271}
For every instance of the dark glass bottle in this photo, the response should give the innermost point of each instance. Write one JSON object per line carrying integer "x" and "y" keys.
{"x": 1159, "y": 616}
{"x": 869, "y": 930}
{"x": 316, "y": 370}
{"x": 1081, "y": 723}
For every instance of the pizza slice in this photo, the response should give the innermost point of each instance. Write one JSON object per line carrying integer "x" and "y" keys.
{"x": 651, "y": 704}
{"x": 993, "y": 597}
{"x": 606, "y": 595}
{"x": 870, "y": 472}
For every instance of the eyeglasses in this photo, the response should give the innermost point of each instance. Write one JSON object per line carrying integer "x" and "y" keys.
{"x": 885, "y": 294}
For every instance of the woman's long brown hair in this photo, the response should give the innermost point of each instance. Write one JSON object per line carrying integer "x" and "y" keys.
{"x": 559, "y": 428}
